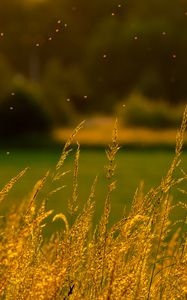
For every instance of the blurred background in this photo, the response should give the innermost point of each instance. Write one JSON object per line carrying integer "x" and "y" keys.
{"x": 64, "y": 61}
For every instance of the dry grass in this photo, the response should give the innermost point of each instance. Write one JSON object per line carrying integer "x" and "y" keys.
{"x": 143, "y": 256}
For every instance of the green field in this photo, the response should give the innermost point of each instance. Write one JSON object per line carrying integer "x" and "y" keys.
{"x": 132, "y": 167}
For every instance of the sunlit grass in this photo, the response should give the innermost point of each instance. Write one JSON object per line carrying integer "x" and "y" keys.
{"x": 142, "y": 256}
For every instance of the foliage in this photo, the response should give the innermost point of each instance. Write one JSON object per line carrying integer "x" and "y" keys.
{"x": 143, "y": 256}
{"x": 139, "y": 111}
{"x": 6, "y": 77}
{"x": 56, "y": 88}
{"x": 21, "y": 112}
{"x": 113, "y": 47}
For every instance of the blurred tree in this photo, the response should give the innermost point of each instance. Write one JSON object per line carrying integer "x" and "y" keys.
{"x": 107, "y": 50}
{"x": 21, "y": 113}
{"x": 6, "y": 77}
{"x": 55, "y": 94}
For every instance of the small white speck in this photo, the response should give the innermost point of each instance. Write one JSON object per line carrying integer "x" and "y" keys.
{"x": 8, "y": 153}
{"x": 11, "y": 107}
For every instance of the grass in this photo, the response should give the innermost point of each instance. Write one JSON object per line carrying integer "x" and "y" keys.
{"x": 142, "y": 256}
{"x": 133, "y": 166}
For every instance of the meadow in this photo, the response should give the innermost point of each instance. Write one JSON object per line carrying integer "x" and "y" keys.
{"x": 134, "y": 167}
{"x": 137, "y": 252}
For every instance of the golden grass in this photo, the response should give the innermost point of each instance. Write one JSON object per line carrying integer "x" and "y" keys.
{"x": 142, "y": 256}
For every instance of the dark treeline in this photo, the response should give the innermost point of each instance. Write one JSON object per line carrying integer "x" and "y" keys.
{"x": 95, "y": 53}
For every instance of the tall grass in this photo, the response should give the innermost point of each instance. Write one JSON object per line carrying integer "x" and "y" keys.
{"x": 142, "y": 256}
